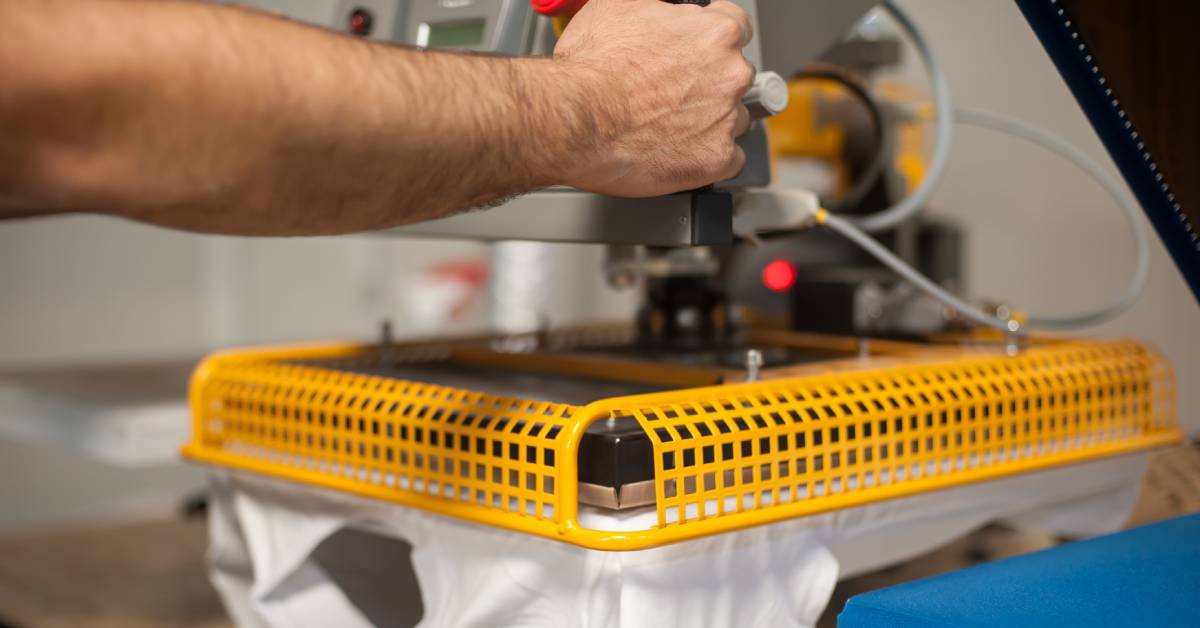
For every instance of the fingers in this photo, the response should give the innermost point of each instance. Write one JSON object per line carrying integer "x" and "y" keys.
{"x": 741, "y": 122}
{"x": 720, "y": 164}
{"x": 738, "y": 15}
{"x": 733, "y": 168}
{"x": 681, "y": 137}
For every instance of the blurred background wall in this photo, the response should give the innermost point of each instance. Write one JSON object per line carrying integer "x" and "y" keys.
{"x": 89, "y": 290}
{"x": 1039, "y": 233}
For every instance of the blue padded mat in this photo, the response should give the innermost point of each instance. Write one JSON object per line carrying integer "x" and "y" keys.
{"x": 1148, "y": 576}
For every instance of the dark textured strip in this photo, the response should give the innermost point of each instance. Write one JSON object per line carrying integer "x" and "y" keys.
{"x": 1067, "y": 49}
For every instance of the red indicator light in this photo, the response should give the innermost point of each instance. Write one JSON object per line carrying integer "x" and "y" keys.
{"x": 361, "y": 22}
{"x": 779, "y": 275}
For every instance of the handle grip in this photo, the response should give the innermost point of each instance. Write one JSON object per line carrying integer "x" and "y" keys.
{"x": 555, "y": 8}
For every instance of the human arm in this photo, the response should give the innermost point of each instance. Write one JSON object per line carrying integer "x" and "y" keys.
{"x": 218, "y": 119}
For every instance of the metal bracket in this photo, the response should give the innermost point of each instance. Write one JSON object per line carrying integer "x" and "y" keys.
{"x": 561, "y": 215}
{"x": 700, "y": 218}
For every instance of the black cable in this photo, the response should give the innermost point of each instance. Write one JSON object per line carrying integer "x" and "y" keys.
{"x": 885, "y": 136}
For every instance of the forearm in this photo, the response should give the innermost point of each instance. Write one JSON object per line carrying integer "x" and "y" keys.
{"x": 213, "y": 119}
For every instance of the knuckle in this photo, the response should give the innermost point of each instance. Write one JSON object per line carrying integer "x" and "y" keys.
{"x": 741, "y": 121}
{"x": 735, "y": 165}
{"x": 747, "y": 23}
{"x": 723, "y": 156}
{"x": 727, "y": 29}
{"x": 743, "y": 76}
{"x": 732, "y": 120}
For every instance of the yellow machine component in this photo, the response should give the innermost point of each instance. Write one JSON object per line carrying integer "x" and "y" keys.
{"x": 559, "y": 23}
{"x": 809, "y": 129}
{"x": 725, "y": 457}
{"x": 912, "y": 139}
{"x": 801, "y": 130}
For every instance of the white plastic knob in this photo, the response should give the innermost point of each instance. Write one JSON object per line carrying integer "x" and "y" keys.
{"x": 767, "y": 97}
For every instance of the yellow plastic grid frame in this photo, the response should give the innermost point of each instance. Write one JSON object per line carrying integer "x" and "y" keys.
{"x": 725, "y": 457}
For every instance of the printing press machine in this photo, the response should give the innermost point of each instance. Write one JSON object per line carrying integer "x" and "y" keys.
{"x": 780, "y": 365}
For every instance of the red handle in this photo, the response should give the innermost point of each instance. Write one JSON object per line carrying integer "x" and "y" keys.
{"x": 557, "y": 7}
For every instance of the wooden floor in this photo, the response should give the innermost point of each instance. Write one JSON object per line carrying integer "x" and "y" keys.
{"x": 149, "y": 574}
{"x": 152, "y": 574}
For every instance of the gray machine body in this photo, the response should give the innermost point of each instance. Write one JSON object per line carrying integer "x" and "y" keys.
{"x": 505, "y": 26}
{"x": 788, "y": 35}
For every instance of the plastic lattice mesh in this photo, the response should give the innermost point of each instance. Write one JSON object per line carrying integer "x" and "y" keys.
{"x": 380, "y": 436}
{"x": 725, "y": 457}
{"x": 853, "y": 437}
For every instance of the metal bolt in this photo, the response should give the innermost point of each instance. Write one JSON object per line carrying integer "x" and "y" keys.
{"x": 1012, "y": 340}
{"x": 687, "y": 318}
{"x": 385, "y": 342}
{"x": 622, "y": 279}
{"x": 754, "y": 362}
